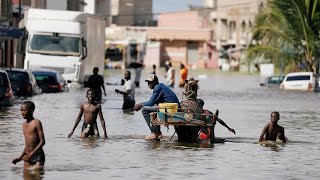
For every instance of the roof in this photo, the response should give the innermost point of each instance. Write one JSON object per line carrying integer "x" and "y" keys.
{"x": 299, "y": 73}
{"x": 44, "y": 71}
{"x": 15, "y": 69}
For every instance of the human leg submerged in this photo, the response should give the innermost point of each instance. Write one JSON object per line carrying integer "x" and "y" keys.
{"x": 128, "y": 104}
{"x": 36, "y": 162}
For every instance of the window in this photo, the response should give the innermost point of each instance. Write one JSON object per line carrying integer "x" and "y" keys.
{"x": 18, "y": 76}
{"x": 51, "y": 44}
{"x": 298, "y": 78}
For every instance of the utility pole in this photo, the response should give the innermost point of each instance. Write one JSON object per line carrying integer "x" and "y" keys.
{"x": 19, "y": 10}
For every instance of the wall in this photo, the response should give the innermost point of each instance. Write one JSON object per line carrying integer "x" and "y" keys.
{"x": 152, "y": 55}
{"x": 174, "y": 51}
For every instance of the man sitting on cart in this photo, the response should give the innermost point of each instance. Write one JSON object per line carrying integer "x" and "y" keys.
{"x": 161, "y": 94}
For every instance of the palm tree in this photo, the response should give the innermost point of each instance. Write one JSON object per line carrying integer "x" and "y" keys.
{"x": 288, "y": 31}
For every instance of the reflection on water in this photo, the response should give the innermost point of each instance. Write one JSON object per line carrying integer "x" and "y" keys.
{"x": 33, "y": 175}
{"x": 243, "y": 105}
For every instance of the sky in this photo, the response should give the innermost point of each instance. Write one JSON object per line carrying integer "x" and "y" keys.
{"x": 159, "y": 6}
{"x": 173, "y": 5}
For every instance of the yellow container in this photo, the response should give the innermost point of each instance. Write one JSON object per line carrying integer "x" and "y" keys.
{"x": 168, "y": 107}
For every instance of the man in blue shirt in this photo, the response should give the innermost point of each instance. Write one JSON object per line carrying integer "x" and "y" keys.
{"x": 161, "y": 94}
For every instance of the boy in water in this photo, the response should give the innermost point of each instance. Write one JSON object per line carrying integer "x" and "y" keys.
{"x": 207, "y": 132}
{"x": 32, "y": 154}
{"x": 272, "y": 130}
{"x": 90, "y": 111}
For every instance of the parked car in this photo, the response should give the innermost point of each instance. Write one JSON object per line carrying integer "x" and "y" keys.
{"x": 23, "y": 82}
{"x": 6, "y": 93}
{"x": 50, "y": 81}
{"x": 273, "y": 81}
{"x": 298, "y": 81}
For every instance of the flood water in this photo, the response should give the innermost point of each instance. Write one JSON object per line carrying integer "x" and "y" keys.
{"x": 243, "y": 105}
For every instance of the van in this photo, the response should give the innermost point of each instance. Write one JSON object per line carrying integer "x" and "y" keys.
{"x": 304, "y": 81}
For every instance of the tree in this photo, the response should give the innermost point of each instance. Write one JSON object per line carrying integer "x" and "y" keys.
{"x": 288, "y": 32}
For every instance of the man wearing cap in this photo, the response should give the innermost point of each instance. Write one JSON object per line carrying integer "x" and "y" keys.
{"x": 161, "y": 94}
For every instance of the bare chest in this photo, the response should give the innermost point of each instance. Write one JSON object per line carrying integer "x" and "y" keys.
{"x": 89, "y": 108}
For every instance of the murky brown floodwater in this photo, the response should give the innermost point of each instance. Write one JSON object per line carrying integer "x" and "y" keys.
{"x": 243, "y": 105}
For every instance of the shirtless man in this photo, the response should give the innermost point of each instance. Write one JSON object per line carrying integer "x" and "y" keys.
{"x": 32, "y": 154}
{"x": 272, "y": 130}
{"x": 90, "y": 111}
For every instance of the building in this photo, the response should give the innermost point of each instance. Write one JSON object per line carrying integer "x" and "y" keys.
{"x": 232, "y": 22}
{"x": 131, "y": 12}
{"x": 185, "y": 37}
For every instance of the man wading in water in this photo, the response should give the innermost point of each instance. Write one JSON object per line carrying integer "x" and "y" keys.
{"x": 32, "y": 154}
{"x": 90, "y": 111}
{"x": 272, "y": 130}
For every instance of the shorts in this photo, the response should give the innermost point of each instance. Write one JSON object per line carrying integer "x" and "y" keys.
{"x": 128, "y": 104}
{"x": 90, "y": 129}
{"x": 39, "y": 156}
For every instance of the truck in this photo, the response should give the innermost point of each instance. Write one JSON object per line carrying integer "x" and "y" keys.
{"x": 69, "y": 42}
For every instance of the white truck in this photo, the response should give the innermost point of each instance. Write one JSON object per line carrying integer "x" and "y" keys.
{"x": 70, "y": 42}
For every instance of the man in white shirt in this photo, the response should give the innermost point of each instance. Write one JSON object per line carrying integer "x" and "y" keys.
{"x": 170, "y": 76}
{"x": 128, "y": 92}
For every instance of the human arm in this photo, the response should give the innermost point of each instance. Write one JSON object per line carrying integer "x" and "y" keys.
{"x": 41, "y": 143}
{"x": 282, "y": 136}
{"x": 263, "y": 133}
{"x": 103, "y": 123}
{"x": 172, "y": 74}
{"x": 137, "y": 107}
{"x": 77, "y": 121}
{"x": 126, "y": 92}
{"x": 18, "y": 159}
{"x": 104, "y": 89}
{"x": 155, "y": 98}
{"x": 225, "y": 125}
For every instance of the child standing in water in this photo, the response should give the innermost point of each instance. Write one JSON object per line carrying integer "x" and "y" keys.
{"x": 272, "y": 130}
{"x": 90, "y": 111}
{"x": 32, "y": 154}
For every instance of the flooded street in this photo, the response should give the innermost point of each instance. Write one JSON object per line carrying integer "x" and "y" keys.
{"x": 243, "y": 105}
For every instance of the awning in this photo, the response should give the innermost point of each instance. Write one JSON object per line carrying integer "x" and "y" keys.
{"x": 10, "y": 32}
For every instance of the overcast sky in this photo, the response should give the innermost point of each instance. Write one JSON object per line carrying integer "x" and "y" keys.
{"x": 158, "y": 5}
{"x": 173, "y": 5}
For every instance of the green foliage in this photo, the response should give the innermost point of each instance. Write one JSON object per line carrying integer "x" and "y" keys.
{"x": 287, "y": 32}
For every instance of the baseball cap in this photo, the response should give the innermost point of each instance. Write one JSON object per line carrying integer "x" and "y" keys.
{"x": 152, "y": 77}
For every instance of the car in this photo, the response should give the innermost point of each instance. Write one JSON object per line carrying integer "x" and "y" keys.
{"x": 273, "y": 81}
{"x": 50, "y": 81}
{"x": 6, "y": 93}
{"x": 304, "y": 81}
{"x": 23, "y": 82}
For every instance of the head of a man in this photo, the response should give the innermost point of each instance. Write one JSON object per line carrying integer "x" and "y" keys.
{"x": 90, "y": 95}
{"x": 127, "y": 75}
{"x": 181, "y": 66}
{"x": 200, "y": 102}
{"x": 275, "y": 116}
{"x": 152, "y": 81}
{"x": 27, "y": 109}
{"x": 95, "y": 70}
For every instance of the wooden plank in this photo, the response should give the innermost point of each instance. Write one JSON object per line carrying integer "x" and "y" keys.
{"x": 179, "y": 119}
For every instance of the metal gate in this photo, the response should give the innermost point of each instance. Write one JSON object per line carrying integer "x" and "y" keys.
{"x": 192, "y": 54}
